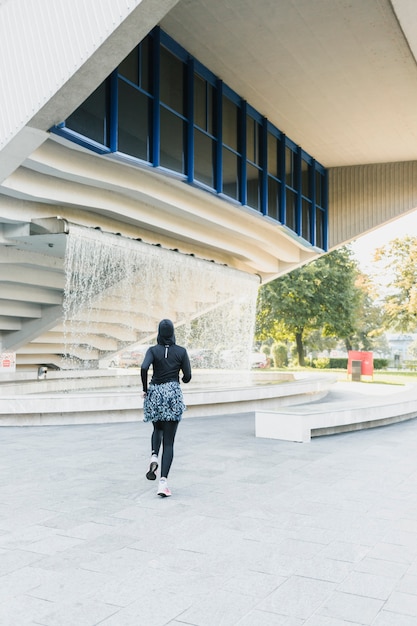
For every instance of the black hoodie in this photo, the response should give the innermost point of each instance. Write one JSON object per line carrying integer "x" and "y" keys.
{"x": 166, "y": 357}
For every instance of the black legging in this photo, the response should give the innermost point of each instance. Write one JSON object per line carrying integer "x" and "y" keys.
{"x": 164, "y": 432}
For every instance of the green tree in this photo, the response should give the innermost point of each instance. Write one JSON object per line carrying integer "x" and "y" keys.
{"x": 321, "y": 295}
{"x": 280, "y": 354}
{"x": 400, "y": 303}
{"x": 369, "y": 317}
{"x": 316, "y": 342}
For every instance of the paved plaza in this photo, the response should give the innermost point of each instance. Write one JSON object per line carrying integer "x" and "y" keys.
{"x": 258, "y": 532}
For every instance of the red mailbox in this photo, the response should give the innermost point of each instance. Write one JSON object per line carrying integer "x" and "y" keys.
{"x": 367, "y": 363}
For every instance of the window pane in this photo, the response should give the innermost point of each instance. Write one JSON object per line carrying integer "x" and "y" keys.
{"x": 172, "y": 142}
{"x": 211, "y": 107}
{"x": 319, "y": 189}
{"x": 290, "y": 209}
{"x": 289, "y": 167}
{"x": 250, "y": 139}
{"x": 203, "y": 158}
{"x": 320, "y": 229}
{"x": 253, "y": 187}
{"x": 305, "y": 226}
{"x": 305, "y": 178}
{"x": 230, "y": 124}
{"x": 203, "y": 104}
{"x": 273, "y": 198}
{"x": 273, "y": 155}
{"x": 133, "y": 122}
{"x": 231, "y": 174}
{"x": 135, "y": 66}
{"x": 90, "y": 119}
{"x": 144, "y": 61}
{"x": 200, "y": 102}
{"x": 253, "y": 135}
{"x": 129, "y": 68}
{"x": 172, "y": 81}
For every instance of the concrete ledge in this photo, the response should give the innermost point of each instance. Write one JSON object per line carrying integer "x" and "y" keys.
{"x": 301, "y": 423}
{"x": 123, "y": 405}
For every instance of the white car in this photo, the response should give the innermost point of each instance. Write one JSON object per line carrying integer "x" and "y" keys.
{"x": 258, "y": 359}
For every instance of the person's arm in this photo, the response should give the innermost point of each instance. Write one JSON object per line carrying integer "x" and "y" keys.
{"x": 147, "y": 361}
{"x": 186, "y": 368}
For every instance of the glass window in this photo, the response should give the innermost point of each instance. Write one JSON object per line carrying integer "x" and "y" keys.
{"x": 145, "y": 65}
{"x": 289, "y": 173}
{"x": 129, "y": 68}
{"x": 320, "y": 228}
{"x": 203, "y": 104}
{"x": 291, "y": 206}
{"x": 231, "y": 178}
{"x": 203, "y": 158}
{"x": 253, "y": 140}
{"x": 274, "y": 177}
{"x": 136, "y": 66}
{"x": 172, "y": 81}
{"x": 306, "y": 219}
{"x": 253, "y": 164}
{"x": 273, "y": 155}
{"x": 305, "y": 178}
{"x": 200, "y": 102}
{"x": 230, "y": 125}
{"x": 274, "y": 190}
{"x": 290, "y": 167}
{"x": 253, "y": 187}
{"x": 90, "y": 119}
{"x": 134, "y": 122}
{"x": 320, "y": 194}
{"x": 172, "y": 142}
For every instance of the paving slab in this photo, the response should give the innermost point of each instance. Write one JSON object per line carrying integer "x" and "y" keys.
{"x": 257, "y": 532}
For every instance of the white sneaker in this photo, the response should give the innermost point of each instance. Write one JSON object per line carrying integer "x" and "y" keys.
{"x": 150, "y": 475}
{"x": 163, "y": 490}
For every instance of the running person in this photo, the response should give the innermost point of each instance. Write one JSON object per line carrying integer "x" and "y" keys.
{"x": 163, "y": 403}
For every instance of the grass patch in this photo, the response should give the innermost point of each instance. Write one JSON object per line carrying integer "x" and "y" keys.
{"x": 381, "y": 377}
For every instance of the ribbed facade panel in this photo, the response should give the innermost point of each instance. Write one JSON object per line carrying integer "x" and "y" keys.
{"x": 363, "y": 197}
{"x": 42, "y": 44}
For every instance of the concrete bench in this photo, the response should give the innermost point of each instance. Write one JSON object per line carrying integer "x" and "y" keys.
{"x": 300, "y": 423}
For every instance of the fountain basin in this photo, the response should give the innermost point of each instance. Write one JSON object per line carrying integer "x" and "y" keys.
{"x": 124, "y": 403}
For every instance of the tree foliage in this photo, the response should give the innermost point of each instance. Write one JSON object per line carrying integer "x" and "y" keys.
{"x": 323, "y": 295}
{"x": 369, "y": 317}
{"x": 400, "y": 303}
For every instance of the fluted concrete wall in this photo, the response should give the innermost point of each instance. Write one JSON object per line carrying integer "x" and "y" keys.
{"x": 44, "y": 43}
{"x": 364, "y": 197}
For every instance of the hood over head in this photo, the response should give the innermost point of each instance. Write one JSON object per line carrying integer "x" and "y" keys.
{"x": 166, "y": 336}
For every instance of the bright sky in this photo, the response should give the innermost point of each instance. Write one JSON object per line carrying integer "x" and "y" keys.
{"x": 365, "y": 246}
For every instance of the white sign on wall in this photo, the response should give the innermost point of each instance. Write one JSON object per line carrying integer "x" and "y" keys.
{"x": 7, "y": 362}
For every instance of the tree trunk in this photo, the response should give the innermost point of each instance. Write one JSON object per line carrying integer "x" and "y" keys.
{"x": 348, "y": 344}
{"x": 300, "y": 348}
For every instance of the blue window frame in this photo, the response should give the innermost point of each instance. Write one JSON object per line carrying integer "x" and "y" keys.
{"x": 133, "y": 104}
{"x": 89, "y": 125}
{"x": 162, "y": 107}
{"x": 203, "y": 167}
{"x": 255, "y": 158}
{"x": 172, "y": 112}
{"x": 231, "y": 142}
{"x": 275, "y": 173}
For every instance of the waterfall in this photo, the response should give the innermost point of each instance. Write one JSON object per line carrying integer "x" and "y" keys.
{"x": 117, "y": 289}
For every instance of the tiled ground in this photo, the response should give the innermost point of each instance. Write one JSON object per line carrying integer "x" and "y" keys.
{"x": 257, "y": 533}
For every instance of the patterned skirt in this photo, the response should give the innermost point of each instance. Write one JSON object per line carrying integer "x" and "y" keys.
{"x": 163, "y": 402}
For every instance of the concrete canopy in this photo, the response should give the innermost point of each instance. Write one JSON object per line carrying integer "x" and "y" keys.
{"x": 339, "y": 78}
